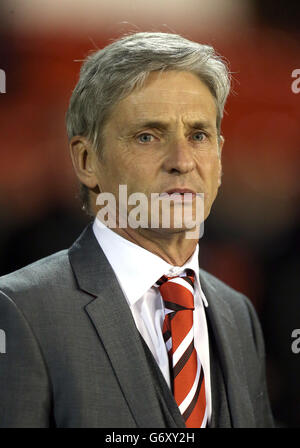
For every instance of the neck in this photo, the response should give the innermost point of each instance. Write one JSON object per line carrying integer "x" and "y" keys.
{"x": 174, "y": 248}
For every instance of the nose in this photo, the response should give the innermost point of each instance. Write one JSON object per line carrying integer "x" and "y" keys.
{"x": 179, "y": 157}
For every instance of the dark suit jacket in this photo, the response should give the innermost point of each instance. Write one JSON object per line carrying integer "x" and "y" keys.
{"x": 74, "y": 357}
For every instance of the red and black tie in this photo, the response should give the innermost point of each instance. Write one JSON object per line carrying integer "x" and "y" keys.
{"x": 187, "y": 376}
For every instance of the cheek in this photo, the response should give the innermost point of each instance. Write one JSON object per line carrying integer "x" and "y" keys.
{"x": 112, "y": 169}
{"x": 216, "y": 171}
{"x": 209, "y": 168}
{"x": 139, "y": 171}
{"x": 215, "y": 177}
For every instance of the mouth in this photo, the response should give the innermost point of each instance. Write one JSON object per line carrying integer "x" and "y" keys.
{"x": 178, "y": 191}
{"x": 179, "y": 195}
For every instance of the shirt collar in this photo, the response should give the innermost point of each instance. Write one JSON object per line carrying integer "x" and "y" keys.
{"x": 136, "y": 268}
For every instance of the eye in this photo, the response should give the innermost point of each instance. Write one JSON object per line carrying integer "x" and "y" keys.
{"x": 145, "y": 138}
{"x": 199, "y": 136}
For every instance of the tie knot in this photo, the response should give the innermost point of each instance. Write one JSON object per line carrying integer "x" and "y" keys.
{"x": 178, "y": 292}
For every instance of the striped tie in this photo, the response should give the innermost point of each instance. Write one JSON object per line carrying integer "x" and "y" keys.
{"x": 187, "y": 376}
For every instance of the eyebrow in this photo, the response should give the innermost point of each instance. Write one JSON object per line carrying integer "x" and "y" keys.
{"x": 162, "y": 125}
{"x": 203, "y": 124}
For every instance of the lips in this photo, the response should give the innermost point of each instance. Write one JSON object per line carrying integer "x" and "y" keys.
{"x": 180, "y": 191}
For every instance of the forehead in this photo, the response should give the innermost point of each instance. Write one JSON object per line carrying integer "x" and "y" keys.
{"x": 170, "y": 94}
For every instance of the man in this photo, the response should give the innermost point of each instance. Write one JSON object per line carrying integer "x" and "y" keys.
{"x": 124, "y": 329}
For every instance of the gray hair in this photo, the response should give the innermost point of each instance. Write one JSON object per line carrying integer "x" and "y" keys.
{"x": 110, "y": 74}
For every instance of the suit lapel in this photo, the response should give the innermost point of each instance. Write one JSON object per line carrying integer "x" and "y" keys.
{"x": 115, "y": 326}
{"x": 222, "y": 323}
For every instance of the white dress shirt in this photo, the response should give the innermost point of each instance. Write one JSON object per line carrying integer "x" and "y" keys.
{"x": 137, "y": 270}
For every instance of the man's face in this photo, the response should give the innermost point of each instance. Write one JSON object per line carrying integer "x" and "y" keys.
{"x": 163, "y": 137}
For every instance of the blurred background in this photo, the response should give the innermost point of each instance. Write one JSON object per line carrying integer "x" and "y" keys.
{"x": 251, "y": 239}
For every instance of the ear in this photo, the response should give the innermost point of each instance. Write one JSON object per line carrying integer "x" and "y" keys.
{"x": 221, "y": 143}
{"x": 84, "y": 161}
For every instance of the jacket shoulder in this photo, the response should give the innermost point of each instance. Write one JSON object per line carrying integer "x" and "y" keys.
{"x": 43, "y": 274}
{"x": 241, "y": 307}
{"x": 219, "y": 286}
